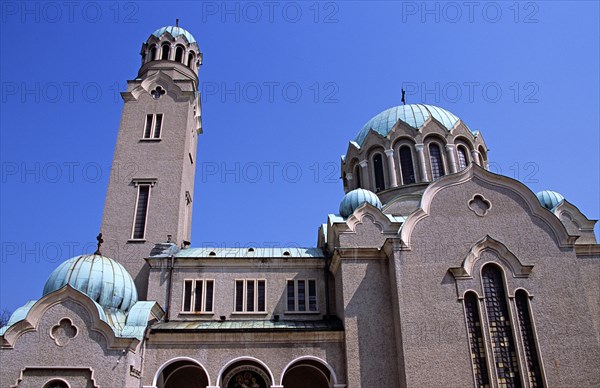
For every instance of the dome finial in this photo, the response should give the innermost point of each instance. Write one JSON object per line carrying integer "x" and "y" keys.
{"x": 100, "y": 241}
{"x": 176, "y": 22}
{"x": 403, "y": 98}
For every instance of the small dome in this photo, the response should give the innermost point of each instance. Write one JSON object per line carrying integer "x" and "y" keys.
{"x": 414, "y": 115}
{"x": 102, "y": 279}
{"x": 550, "y": 199}
{"x": 355, "y": 198}
{"x": 175, "y": 32}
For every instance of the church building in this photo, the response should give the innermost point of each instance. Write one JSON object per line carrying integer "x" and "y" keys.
{"x": 435, "y": 272}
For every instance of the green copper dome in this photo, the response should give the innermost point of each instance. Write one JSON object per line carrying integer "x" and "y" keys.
{"x": 550, "y": 199}
{"x": 175, "y": 32}
{"x": 355, "y": 199}
{"x": 102, "y": 279}
{"x": 414, "y": 115}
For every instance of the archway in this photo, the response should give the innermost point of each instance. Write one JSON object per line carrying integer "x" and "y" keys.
{"x": 308, "y": 373}
{"x": 182, "y": 374}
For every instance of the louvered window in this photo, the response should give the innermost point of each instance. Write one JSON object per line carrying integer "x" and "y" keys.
{"x": 153, "y": 126}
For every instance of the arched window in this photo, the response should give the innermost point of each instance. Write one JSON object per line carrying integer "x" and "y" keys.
{"x": 483, "y": 156}
{"x": 406, "y": 165}
{"x": 56, "y": 384}
{"x": 462, "y": 158}
{"x": 357, "y": 176}
{"x": 152, "y": 54}
{"x": 476, "y": 340}
{"x": 534, "y": 372}
{"x": 378, "y": 170}
{"x": 437, "y": 164}
{"x": 191, "y": 60}
{"x": 179, "y": 54}
{"x": 500, "y": 328}
{"x": 165, "y": 51}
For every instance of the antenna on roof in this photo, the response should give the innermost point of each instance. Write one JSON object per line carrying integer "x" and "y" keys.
{"x": 100, "y": 241}
{"x": 403, "y": 99}
{"x": 176, "y": 22}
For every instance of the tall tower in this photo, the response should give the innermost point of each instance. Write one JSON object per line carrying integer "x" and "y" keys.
{"x": 151, "y": 184}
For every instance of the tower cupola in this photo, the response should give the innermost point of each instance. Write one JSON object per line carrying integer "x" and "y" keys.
{"x": 172, "y": 44}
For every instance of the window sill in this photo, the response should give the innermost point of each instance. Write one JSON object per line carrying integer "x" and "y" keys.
{"x": 302, "y": 312}
{"x": 136, "y": 240}
{"x": 261, "y": 313}
{"x": 150, "y": 139}
{"x": 194, "y": 313}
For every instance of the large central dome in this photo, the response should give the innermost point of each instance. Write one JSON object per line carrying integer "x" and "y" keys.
{"x": 414, "y": 115}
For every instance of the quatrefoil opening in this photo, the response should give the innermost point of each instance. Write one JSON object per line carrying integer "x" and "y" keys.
{"x": 479, "y": 205}
{"x": 63, "y": 332}
{"x": 157, "y": 92}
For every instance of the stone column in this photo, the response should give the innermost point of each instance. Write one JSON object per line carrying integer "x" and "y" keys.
{"x": 421, "y": 159}
{"x": 391, "y": 168}
{"x": 475, "y": 156}
{"x": 451, "y": 158}
{"x": 365, "y": 181}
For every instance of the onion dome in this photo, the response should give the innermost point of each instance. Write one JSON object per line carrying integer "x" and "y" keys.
{"x": 102, "y": 279}
{"x": 355, "y": 199}
{"x": 175, "y": 31}
{"x": 550, "y": 199}
{"x": 414, "y": 115}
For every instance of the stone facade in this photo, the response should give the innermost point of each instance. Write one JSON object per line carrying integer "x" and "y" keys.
{"x": 458, "y": 281}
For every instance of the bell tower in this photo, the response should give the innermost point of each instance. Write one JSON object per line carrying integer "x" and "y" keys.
{"x": 151, "y": 183}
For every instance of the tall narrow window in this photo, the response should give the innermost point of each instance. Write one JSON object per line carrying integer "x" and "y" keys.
{"x": 501, "y": 332}
{"x": 302, "y": 295}
{"x": 153, "y": 126}
{"x": 462, "y": 158}
{"x": 534, "y": 372}
{"x": 148, "y": 126}
{"x": 190, "y": 60}
{"x": 141, "y": 212}
{"x": 476, "y": 340}
{"x": 179, "y": 54}
{"x": 378, "y": 169}
{"x": 198, "y": 296}
{"x": 165, "y": 52}
{"x": 406, "y": 165}
{"x": 157, "y": 125}
{"x": 437, "y": 164}
{"x": 250, "y": 296}
{"x": 152, "y": 53}
{"x": 357, "y": 176}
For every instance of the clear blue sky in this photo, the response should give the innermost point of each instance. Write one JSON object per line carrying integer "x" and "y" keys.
{"x": 286, "y": 86}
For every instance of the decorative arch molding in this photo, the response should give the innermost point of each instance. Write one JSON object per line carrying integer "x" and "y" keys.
{"x": 376, "y": 216}
{"x": 162, "y": 80}
{"x": 53, "y": 368}
{"x": 473, "y": 171}
{"x": 465, "y": 271}
{"x": 67, "y": 293}
{"x": 316, "y": 359}
{"x": 242, "y": 359}
{"x": 176, "y": 359}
